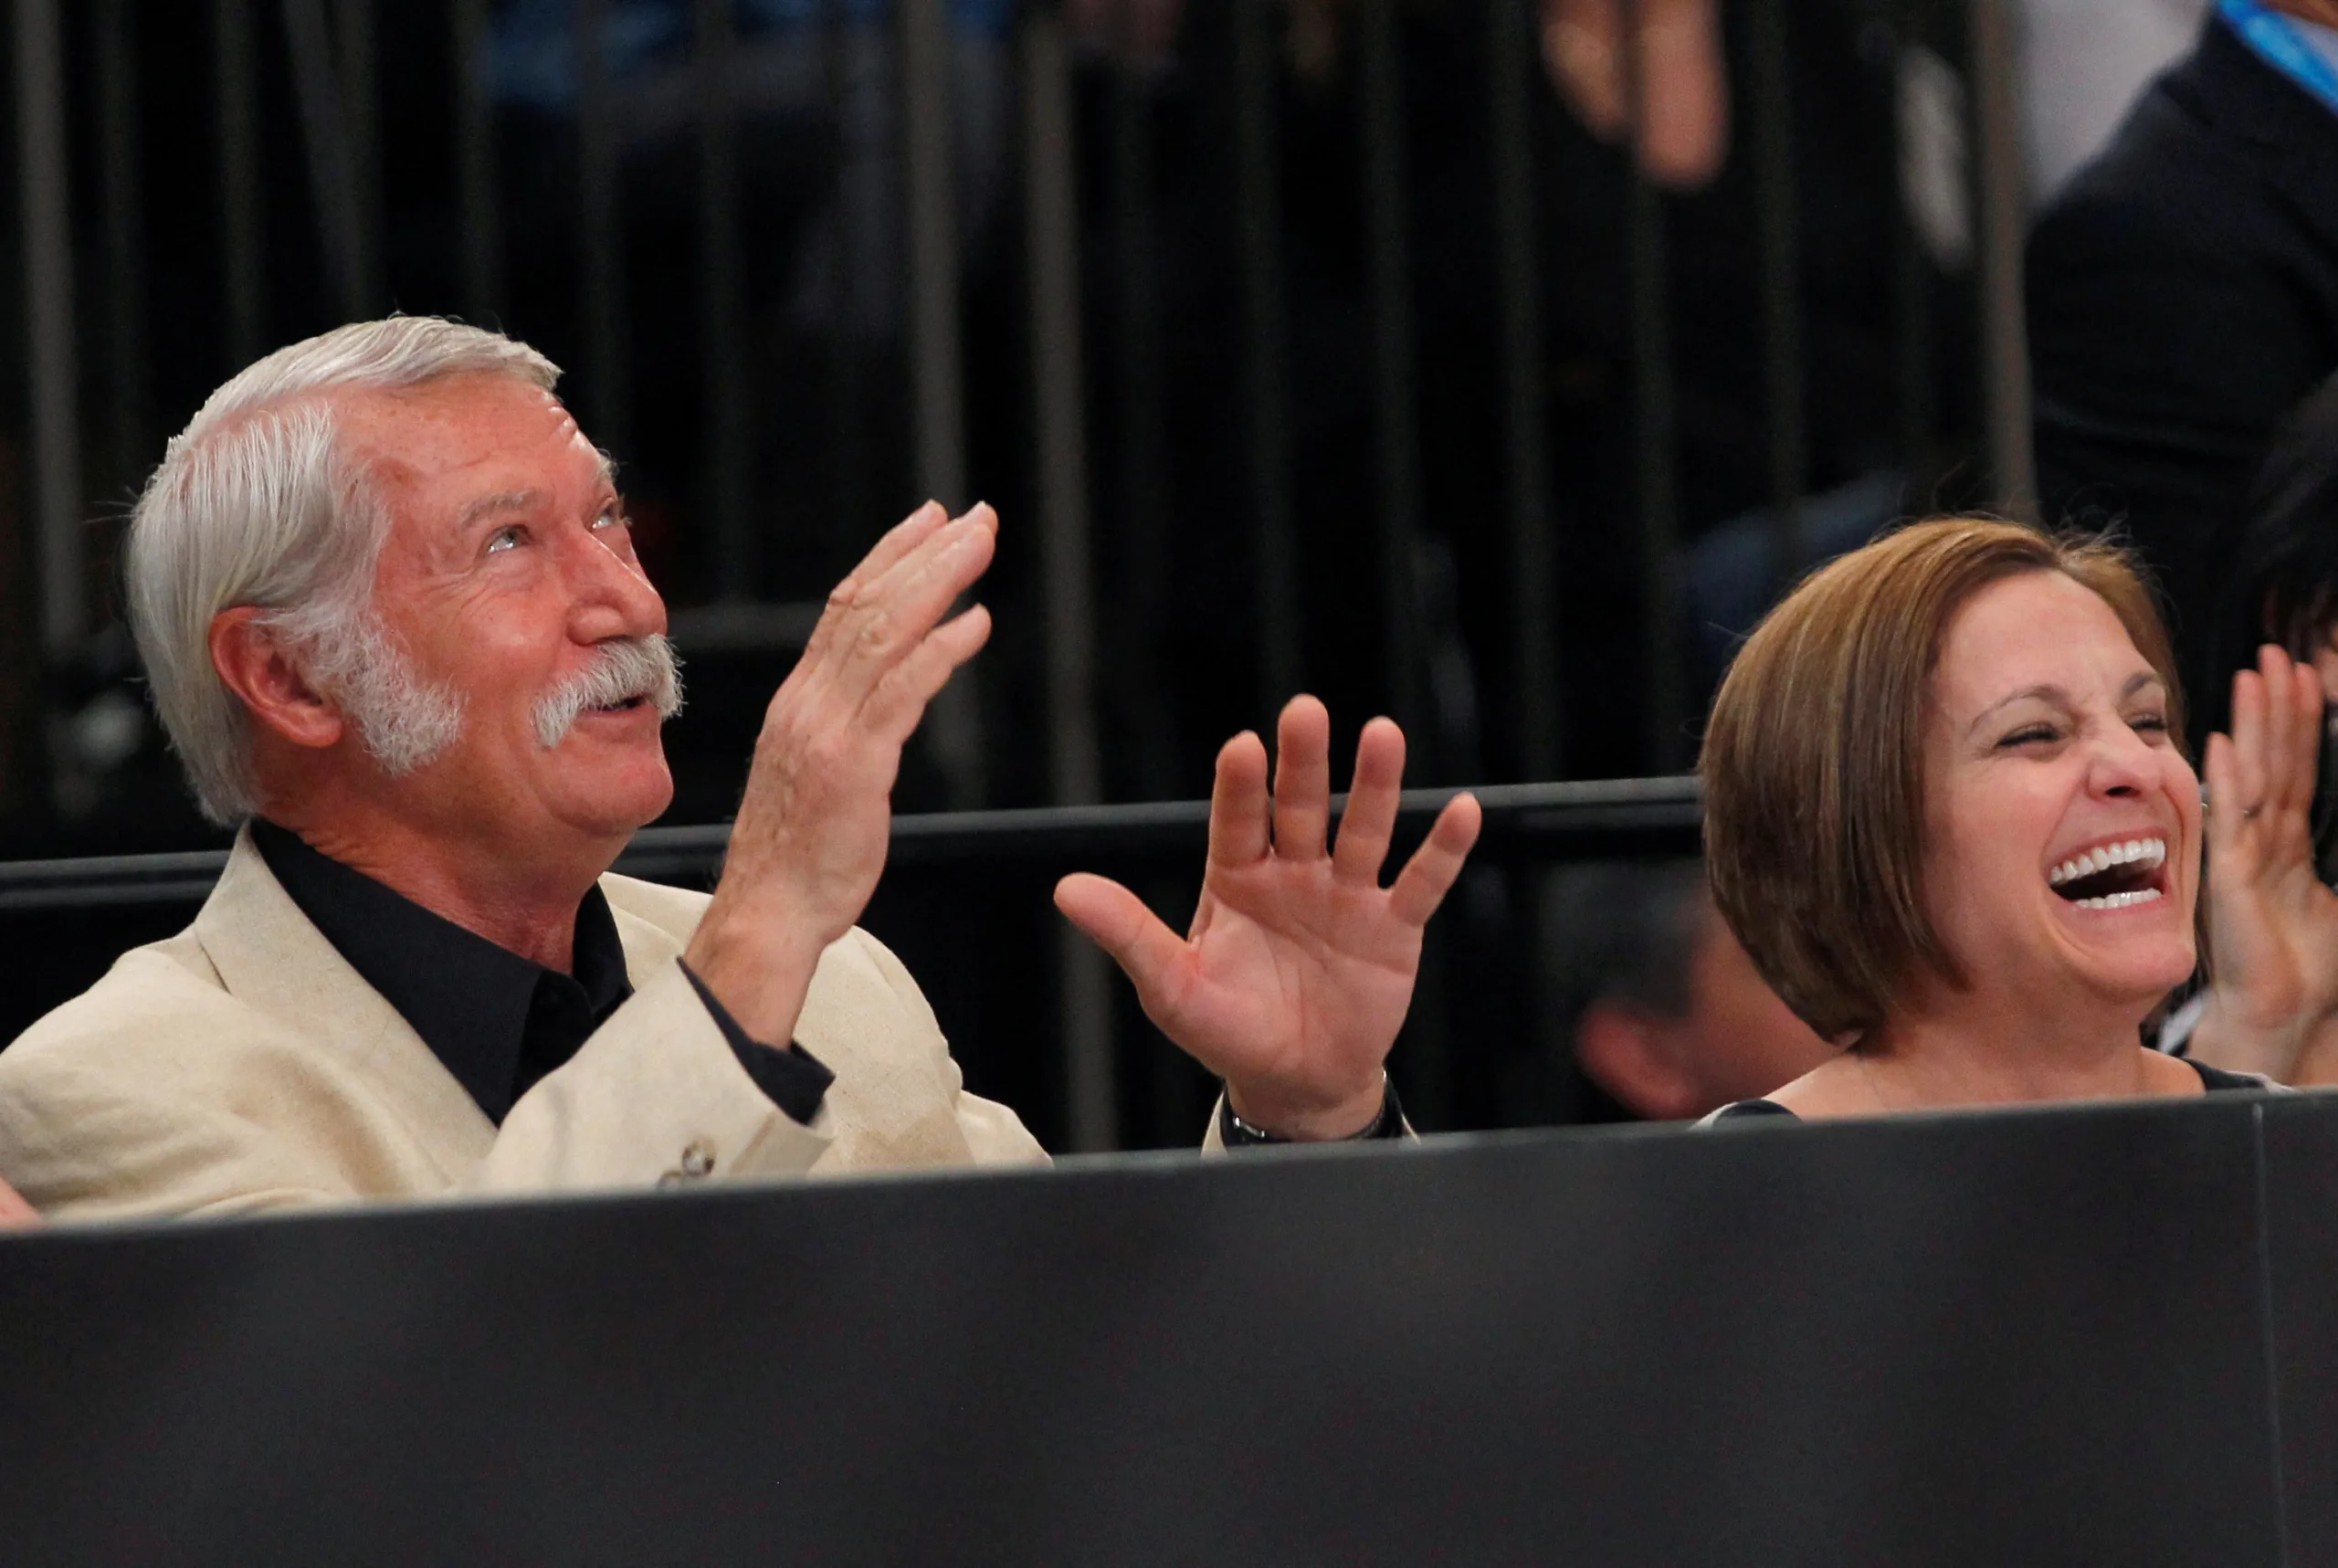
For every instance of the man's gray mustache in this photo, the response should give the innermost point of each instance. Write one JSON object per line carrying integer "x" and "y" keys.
{"x": 622, "y": 669}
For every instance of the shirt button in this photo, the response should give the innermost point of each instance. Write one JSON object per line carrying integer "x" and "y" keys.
{"x": 697, "y": 1157}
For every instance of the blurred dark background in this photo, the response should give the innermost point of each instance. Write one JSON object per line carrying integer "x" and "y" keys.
{"x": 1337, "y": 346}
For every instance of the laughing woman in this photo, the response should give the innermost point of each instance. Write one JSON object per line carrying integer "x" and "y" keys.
{"x": 1949, "y": 814}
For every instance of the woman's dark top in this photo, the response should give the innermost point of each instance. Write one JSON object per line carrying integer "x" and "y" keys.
{"x": 2215, "y": 1079}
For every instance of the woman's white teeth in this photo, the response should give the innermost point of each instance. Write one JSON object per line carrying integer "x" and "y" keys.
{"x": 2117, "y": 900}
{"x": 2145, "y": 852}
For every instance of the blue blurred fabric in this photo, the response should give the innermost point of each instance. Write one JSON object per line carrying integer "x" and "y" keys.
{"x": 534, "y": 65}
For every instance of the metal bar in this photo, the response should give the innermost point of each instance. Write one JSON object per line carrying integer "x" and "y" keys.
{"x": 1511, "y": 60}
{"x": 1396, "y": 433}
{"x": 934, "y": 334}
{"x": 2002, "y": 205}
{"x": 238, "y": 144}
{"x": 127, "y": 381}
{"x": 1777, "y": 220}
{"x": 1266, "y": 360}
{"x": 1140, "y": 517}
{"x": 1052, "y": 238}
{"x": 53, "y": 385}
{"x": 607, "y": 375}
{"x": 361, "y": 100}
{"x": 1653, "y": 446}
{"x": 1912, "y": 325}
{"x": 723, "y": 310}
{"x": 483, "y": 218}
{"x": 1075, "y": 763}
{"x": 954, "y": 720}
{"x": 324, "y": 135}
{"x": 1596, "y": 818}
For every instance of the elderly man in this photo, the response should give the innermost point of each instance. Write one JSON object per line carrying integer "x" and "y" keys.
{"x": 397, "y": 629}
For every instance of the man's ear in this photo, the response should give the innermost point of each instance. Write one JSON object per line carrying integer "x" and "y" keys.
{"x": 255, "y": 666}
{"x": 1633, "y": 1057}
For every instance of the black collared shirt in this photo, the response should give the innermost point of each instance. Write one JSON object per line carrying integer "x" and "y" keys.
{"x": 497, "y": 1021}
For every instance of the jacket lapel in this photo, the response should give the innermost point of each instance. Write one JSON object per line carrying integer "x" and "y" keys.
{"x": 270, "y": 957}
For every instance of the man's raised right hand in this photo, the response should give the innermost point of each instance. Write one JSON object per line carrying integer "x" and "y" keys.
{"x": 817, "y": 818}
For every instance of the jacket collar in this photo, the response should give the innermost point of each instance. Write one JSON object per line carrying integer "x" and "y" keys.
{"x": 2292, "y": 131}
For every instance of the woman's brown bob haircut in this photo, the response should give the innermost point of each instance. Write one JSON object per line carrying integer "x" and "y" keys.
{"x": 1814, "y": 758}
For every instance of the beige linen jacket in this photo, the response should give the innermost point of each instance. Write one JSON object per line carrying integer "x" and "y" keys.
{"x": 243, "y": 1065}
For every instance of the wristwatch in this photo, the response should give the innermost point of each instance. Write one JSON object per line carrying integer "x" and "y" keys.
{"x": 1237, "y": 1133}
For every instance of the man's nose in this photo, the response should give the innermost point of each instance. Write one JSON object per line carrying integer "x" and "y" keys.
{"x": 609, "y": 595}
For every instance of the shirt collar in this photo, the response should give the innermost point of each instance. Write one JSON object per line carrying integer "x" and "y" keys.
{"x": 497, "y": 1021}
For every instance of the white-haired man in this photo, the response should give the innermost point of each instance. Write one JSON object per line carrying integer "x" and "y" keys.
{"x": 396, "y": 626}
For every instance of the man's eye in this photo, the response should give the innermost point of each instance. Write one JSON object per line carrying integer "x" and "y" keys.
{"x": 613, "y": 518}
{"x": 503, "y": 538}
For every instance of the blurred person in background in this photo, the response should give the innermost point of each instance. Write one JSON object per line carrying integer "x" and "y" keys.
{"x": 1949, "y": 813}
{"x": 2272, "y": 923}
{"x": 2182, "y": 294}
{"x": 1668, "y": 1014}
{"x": 2083, "y": 63}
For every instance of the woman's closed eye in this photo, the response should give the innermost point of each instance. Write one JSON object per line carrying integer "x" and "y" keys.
{"x": 2030, "y": 735}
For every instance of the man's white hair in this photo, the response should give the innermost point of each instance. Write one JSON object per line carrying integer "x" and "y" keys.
{"x": 255, "y": 503}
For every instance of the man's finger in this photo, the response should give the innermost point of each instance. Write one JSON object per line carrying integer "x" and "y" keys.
{"x": 899, "y": 700}
{"x": 1373, "y": 798}
{"x": 1302, "y": 779}
{"x": 894, "y": 615}
{"x": 1429, "y": 875}
{"x": 1117, "y": 921}
{"x": 899, "y": 541}
{"x": 1237, "y": 803}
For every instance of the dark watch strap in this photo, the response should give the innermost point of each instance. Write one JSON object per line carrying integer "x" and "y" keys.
{"x": 1237, "y": 1133}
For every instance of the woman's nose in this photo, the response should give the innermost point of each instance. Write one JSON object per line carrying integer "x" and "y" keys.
{"x": 2119, "y": 764}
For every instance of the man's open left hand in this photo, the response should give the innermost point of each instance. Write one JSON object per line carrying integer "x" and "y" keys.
{"x": 1300, "y": 966}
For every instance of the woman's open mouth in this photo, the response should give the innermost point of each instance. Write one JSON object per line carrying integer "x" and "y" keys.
{"x": 2112, "y": 875}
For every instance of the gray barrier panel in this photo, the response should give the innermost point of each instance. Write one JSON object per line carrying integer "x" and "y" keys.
{"x": 2039, "y": 1337}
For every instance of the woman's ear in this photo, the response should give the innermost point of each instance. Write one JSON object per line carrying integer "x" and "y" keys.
{"x": 253, "y": 662}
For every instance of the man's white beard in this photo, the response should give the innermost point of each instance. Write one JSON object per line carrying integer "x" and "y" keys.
{"x": 622, "y": 669}
{"x": 404, "y": 722}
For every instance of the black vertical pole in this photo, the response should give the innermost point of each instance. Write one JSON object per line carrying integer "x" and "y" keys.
{"x": 1266, "y": 360}
{"x": 361, "y": 96}
{"x": 475, "y": 164}
{"x": 1051, "y": 238}
{"x": 1774, "y": 213}
{"x": 1653, "y": 447}
{"x": 2002, "y": 205}
{"x": 124, "y": 229}
{"x": 607, "y": 375}
{"x": 1526, "y": 408}
{"x": 238, "y": 144}
{"x": 721, "y": 312}
{"x": 53, "y": 382}
{"x": 1396, "y": 436}
{"x": 1141, "y": 517}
